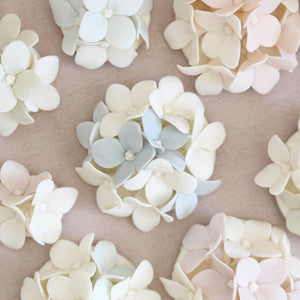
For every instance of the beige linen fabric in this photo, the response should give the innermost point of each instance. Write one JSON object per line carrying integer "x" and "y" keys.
{"x": 50, "y": 144}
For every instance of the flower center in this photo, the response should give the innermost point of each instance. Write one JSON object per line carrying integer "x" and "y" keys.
{"x": 253, "y": 287}
{"x": 159, "y": 142}
{"x": 130, "y": 295}
{"x": 227, "y": 29}
{"x": 18, "y": 192}
{"x": 10, "y": 79}
{"x": 107, "y": 13}
{"x": 246, "y": 243}
{"x": 43, "y": 207}
{"x": 230, "y": 284}
{"x": 254, "y": 20}
{"x": 129, "y": 155}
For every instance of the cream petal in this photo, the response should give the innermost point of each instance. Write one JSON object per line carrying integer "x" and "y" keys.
{"x": 85, "y": 246}
{"x": 179, "y": 122}
{"x": 296, "y": 178}
{"x": 120, "y": 289}
{"x": 292, "y": 5}
{"x": 181, "y": 182}
{"x": 69, "y": 40}
{"x": 178, "y": 34}
{"x": 93, "y": 27}
{"x": 49, "y": 98}
{"x": 182, "y": 11}
{"x": 235, "y": 229}
{"x": 10, "y": 26}
{"x": 63, "y": 12}
{"x": 141, "y": 91}
{"x": 30, "y": 290}
{"x": 21, "y": 115}
{"x": 278, "y": 151}
{"x": 142, "y": 276}
{"x": 107, "y": 197}
{"x": 268, "y": 176}
{"x": 257, "y": 230}
{"x": 125, "y": 7}
{"x": 8, "y": 100}
{"x": 209, "y": 21}
{"x": 7, "y": 124}
{"x": 146, "y": 294}
{"x": 170, "y": 87}
{"x": 243, "y": 81}
{"x": 293, "y": 221}
{"x": 245, "y": 294}
{"x": 138, "y": 182}
{"x": 47, "y": 68}
{"x": 15, "y": 58}
{"x": 279, "y": 185}
{"x": 230, "y": 51}
{"x": 105, "y": 256}
{"x": 290, "y": 38}
{"x": 118, "y": 98}
{"x": 12, "y": 233}
{"x": 209, "y": 83}
{"x": 121, "y": 58}
{"x": 174, "y": 289}
{"x": 91, "y": 57}
{"x": 111, "y": 124}
{"x": 102, "y": 290}
{"x": 235, "y": 250}
{"x": 29, "y": 37}
{"x": 81, "y": 285}
{"x": 265, "y": 78}
{"x": 121, "y": 32}
{"x": 212, "y": 43}
{"x": 293, "y": 265}
{"x": 265, "y": 249}
{"x": 58, "y": 288}
{"x": 146, "y": 7}
{"x": 158, "y": 191}
{"x": 145, "y": 219}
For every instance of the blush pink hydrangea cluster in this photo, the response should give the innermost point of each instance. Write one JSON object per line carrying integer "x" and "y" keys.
{"x": 236, "y": 44}
{"x": 234, "y": 259}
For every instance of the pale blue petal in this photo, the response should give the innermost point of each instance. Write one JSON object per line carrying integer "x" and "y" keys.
{"x": 144, "y": 157}
{"x": 206, "y": 187}
{"x": 155, "y": 144}
{"x": 172, "y": 139}
{"x": 76, "y": 4}
{"x": 185, "y": 205}
{"x": 63, "y": 12}
{"x": 170, "y": 205}
{"x": 151, "y": 124}
{"x": 175, "y": 158}
{"x": 131, "y": 137}
{"x": 83, "y": 131}
{"x": 108, "y": 153}
{"x": 100, "y": 112}
{"x": 124, "y": 172}
{"x": 102, "y": 290}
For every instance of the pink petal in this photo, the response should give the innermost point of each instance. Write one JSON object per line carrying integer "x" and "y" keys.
{"x": 245, "y": 294}
{"x": 14, "y": 176}
{"x": 227, "y": 294}
{"x": 216, "y": 226}
{"x": 222, "y": 268}
{"x": 273, "y": 270}
{"x": 210, "y": 282}
{"x": 196, "y": 238}
{"x": 9, "y": 198}
{"x": 242, "y": 81}
{"x": 290, "y": 38}
{"x": 33, "y": 184}
{"x": 247, "y": 271}
{"x": 270, "y": 291}
{"x": 193, "y": 259}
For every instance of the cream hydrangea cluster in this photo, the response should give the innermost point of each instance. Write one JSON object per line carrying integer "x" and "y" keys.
{"x": 282, "y": 177}
{"x": 236, "y": 44}
{"x": 31, "y": 206}
{"x": 25, "y": 77}
{"x": 103, "y": 30}
{"x": 89, "y": 273}
{"x": 150, "y": 151}
{"x": 234, "y": 259}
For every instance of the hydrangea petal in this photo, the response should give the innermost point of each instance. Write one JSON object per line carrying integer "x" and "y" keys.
{"x": 13, "y": 22}
{"x": 145, "y": 219}
{"x": 8, "y": 100}
{"x": 270, "y": 291}
{"x": 293, "y": 221}
{"x": 247, "y": 271}
{"x": 138, "y": 181}
{"x": 207, "y": 187}
{"x": 64, "y": 14}
{"x": 102, "y": 290}
{"x": 21, "y": 115}
{"x": 15, "y": 58}
{"x": 193, "y": 259}
{"x": 49, "y": 98}
{"x": 47, "y": 68}
{"x": 125, "y": 7}
{"x": 111, "y": 124}
{"x": 124, "y": 172}
{"x": 268, "y": 175}
{"x": 107, "y": 197}
{"x": 185, "y": 205}
{"x": 130, "y": 137}
{"x": 170, "y": 87}
{"x": 95, "y": 5}
{"x": 175, "y": 158}
{"x": 30, "y": 290}
{"x": 172, "y": 139}
{"x": 197, "y": 237}
{"x": 100, "y": 112}
{"x": 245, "y": 294}
{"x": 179, "y": 122}
{"x": 83, "y": 131}
{"x": 152, "y": 124}
{"x": 58, "y": 288}
{"x": 273, "y": 271}
{"x": 235, "y": 249}
{"x": 93, "y": 27}
{"x": 118, "y": 98}
{"x": 69, "y": 40}
{"x": 209, "y": 83}
{"x": 296, "y": 178}
{"x": 81, "y": 285}
{"x": 91, "y": 57}
{"x": 29, "y": 37}
{"x": 142, "y": 276}
{"x": 12, "y": 233}
{"x": 7, "y": 124}
{"x": 119, "y": 57}
{"x": 105, "y": 255}
{"x": 181, "y": 182}
{"x": 144, "y": 157}
{"x": 121, "y": 32}
{"x": 108, "y": 152}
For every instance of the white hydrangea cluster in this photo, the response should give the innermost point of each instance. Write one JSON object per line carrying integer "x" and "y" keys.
{"x": 25, "y": 77}
{"x": 236, "y": 44}
{"x": 31, "y": 206}
{"x": 103, "y": 30}
{"x": 89, "y": 273}
{"x": 235, "y": 259}
{"x": 150, "y": 151}
{"x": 282, "y": 177}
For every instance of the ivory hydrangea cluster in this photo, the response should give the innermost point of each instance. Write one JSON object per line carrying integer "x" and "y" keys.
{"x": 31, "y": 206}
{"x": 25, "y": 77}
{"x": 234, "y": 259}
{"x": 236, "y": 45}
{"x": 103, "y": 30}
{"x": 89, "y": 273}
{"x": 150, "y": 150}
{"x": 282, "y": 177}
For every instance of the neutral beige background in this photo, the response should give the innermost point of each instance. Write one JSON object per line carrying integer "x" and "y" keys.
{"x": 50, "y": 144}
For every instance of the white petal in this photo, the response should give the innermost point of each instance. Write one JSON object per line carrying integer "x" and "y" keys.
{"x": 58, "y": 288}
{"x": 102, "y": 290}
{"x": 235, "y": 229}
{"x": 265, "y": 249}
{"x": 268, "y": 175}
{"x": 160, "y": 165}
{"x": 118, "y": 98}
{"x": 121, "y": 32}
{"x": 7, "y": 124}
{"x": 179, "y": 122}
{"x": 125, "y": 7}
{"x": 141, "y": 91}
{"x": 235, "y": 250}
{"x": 294, "y": 266}
{"x": 145, "y": 219}
{"x": 93, "y": 27}
{"x": 293, "y": 221}
{"x": 170, "y": 87}
{"x": 15, "y": 58}
{"x": 85, "y": 246}
{"x": 138, "y": 181}
{"x": 111, "y": 124}
{"x": 30, "y": 290}
{"x": 185, "y": 205}
{"x": 120, "y": 289}
{"x": 296, "y": 178}
{"x": 175, "y": 289}
{"x": 10, "y": 26}
{"x": 81, "y": 285}
{"x": 278, "y": 151}
{"x": 12, "y": 234}
{"x": 121, "y": 58}
{"x": 257, "y": 230}
{"x": 181, "y": 182}
{"x": 49, "y": 98}
{"x": 29, "y": 37}
{"x": 209, "y": 83}
{"x": 95, "y": 5}
{"x": 47, "y": 68}
{"x": 142, "y": 276}
{"x": 105, "y": 256}
{"x": 63, "y": 12}
{"x": 21, "y": 115}
{"x": 91, "y": 57}
{"x": 158, "y": 191}
{"x": 8, "y": 100}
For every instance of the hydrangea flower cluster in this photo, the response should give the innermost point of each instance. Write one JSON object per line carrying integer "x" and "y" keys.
{"x": 103, "y": 30}
{"x": 89, "y": 273}
{"x": 236, "y": 44}
{"x": 234, "y": 259}
{"x": 31, "y": 206}
{"x": 25, "y": 77}
{"x": 150, "y": 150}
{"x": 282, "y": 177}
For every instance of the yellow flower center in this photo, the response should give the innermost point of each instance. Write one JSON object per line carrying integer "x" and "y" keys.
{"x": 10, "y": 79}
{"x": 18, "y": 192}
{"x": 253, "y": 287}
{"x": 230, "y": 284}
{"x": 129, "y": 155}
{"x": 246, "y": 243}
{"x": 107, "y": 13}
